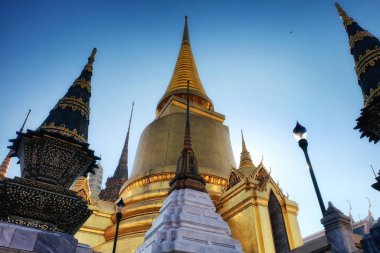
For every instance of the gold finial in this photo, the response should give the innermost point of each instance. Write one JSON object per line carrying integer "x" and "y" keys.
{"x": 244, "y": 147}
{"x": 91, "y": 60}
{"x": 5, "y": 165}
{"x": 346, "y": 19}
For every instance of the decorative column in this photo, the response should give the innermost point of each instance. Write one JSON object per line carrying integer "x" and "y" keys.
{"x": 338, "y": 230}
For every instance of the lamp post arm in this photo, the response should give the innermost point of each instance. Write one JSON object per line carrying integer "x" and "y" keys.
{"x": 303, "y": 145}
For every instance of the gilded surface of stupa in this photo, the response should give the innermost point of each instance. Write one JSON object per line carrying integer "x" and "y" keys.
{"x": 247, "y": 198}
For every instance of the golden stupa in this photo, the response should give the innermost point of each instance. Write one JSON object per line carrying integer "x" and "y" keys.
{"x": 260, "y": 216}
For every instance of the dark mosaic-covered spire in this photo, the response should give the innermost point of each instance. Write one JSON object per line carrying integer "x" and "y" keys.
{"x": 187, "y": 167}
{"x": 122, "y": 167}
{"x": 70, "y": 116}
{"x": 365, "y": 48}
{"x": 52, "y": 158}
{"x": 120, "y": 176}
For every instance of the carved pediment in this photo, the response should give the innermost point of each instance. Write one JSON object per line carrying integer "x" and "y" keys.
{"x": 263, "y": 177}
{"x": 234, "y": 178}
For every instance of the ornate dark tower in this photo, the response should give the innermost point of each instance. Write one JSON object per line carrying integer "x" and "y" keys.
{"x": 187, "y": 175}
{"x": 52, "y": 157}
{"x": 365, "y": 48}
{"x": 120, "y": 176}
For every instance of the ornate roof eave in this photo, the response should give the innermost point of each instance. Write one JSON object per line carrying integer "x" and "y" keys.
{"x": 183, "y": 91}
{"x": 41, "y": 132}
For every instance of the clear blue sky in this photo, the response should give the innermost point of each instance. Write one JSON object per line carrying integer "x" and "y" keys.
{"x": 261, "y": 76}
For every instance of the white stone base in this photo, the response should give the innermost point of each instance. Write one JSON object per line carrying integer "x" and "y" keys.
{"x": 188, "y": 222}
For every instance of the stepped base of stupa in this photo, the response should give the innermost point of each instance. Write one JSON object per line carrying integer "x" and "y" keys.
{"x": 188, "y": 222}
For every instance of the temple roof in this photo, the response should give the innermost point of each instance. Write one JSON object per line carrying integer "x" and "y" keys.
{"x": 185, "y": 70}
{"x": 70, "y": 116}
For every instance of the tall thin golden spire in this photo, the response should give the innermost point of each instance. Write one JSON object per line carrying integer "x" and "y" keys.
{"x": 186, "y": 70}
{"x": 245, "y": 157}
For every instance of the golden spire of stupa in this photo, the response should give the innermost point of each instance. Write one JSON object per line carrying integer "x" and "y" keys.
{"x": 186, "y": 70}
{"x": 245, "y": 157}
{"x": 5, "y": 164}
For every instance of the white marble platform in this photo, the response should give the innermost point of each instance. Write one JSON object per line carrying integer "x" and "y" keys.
{"x": 16, "y": 238}
{"x": 188, "y": 222}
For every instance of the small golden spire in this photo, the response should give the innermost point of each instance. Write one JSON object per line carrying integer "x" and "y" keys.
{"x": 244, "y": 148}
{"x": 82, "y": 188}
{"x": 245, "y": 157}
{"x": 346, "y": 19}
{"x": 5, "y": 165}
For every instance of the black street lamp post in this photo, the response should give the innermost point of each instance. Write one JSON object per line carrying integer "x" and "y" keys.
{"x": 119, "y": 207}
{"x": 300, "y": 134}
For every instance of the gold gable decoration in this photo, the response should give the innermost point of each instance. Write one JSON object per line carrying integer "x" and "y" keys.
{"x": 82, "y": 188}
